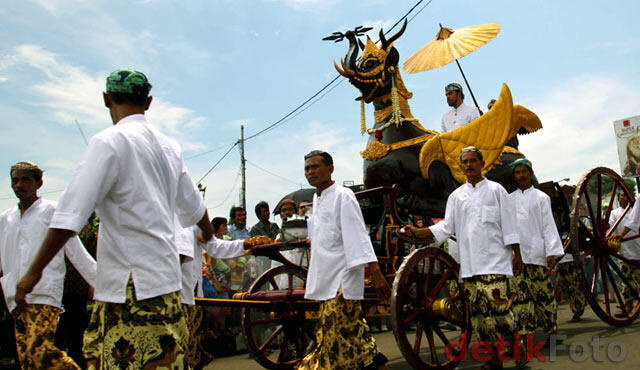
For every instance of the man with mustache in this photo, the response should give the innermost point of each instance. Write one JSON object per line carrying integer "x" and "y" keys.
{"x": 479, "y": 214}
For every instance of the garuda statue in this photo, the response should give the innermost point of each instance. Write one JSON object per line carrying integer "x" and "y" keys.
{"x": 400, "y": 151}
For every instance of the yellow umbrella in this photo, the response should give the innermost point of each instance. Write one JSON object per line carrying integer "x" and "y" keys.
{"x": 450, "y": 45}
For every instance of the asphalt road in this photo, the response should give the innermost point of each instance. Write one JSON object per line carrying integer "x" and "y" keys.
{"x": 582, "y": 337}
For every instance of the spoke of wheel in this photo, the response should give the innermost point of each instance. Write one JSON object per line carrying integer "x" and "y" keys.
{"x": 610, "y": 206}
{"x": 273, "y": 283}
{"x": 441, "y": 335}
{"x": 599, "y": 209}
{"x": 615, "y": 286}
{"x": 418, "y": 340}
{"x": 432, "y": 346}
{"x": 455, "y": 297}
{"x": 605, "y": 286}
{"x": 626, "y": 281}
{"x": 624, "y": 213}
{"x": 596, "y": 231}
{"x": 290, "y": 281}
{"x": 595, "y": 274}
{"x": 440, "y": 283}
{"x": 410, "y": 318}
{"x": 429, "y": 277}
{"x": 271, "y": 338}
{"x": 587, "y": 252}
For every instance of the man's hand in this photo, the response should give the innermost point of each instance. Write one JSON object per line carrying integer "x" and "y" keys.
{"x": 25, "y": 286}
{"x": 551, "y": 262}
{"x": 379, "y": 282}
{"x": 409, "y": 232}
{"x": 518, "y": 265}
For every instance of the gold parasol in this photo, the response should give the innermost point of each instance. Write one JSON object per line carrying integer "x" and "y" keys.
{"x": 450, "y": 45}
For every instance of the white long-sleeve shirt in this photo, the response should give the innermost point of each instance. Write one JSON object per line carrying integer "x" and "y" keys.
{"x": 484, "y": 225}
{"x": 20, "y": 240}
{"x": 539, "y": 237}
{"x": 631, "y": 248}
{"x": 191, "y": 249}
{"x": 135, "y": 178}
{"x": 340, "y": 246}
{"x": 458, "y": 117}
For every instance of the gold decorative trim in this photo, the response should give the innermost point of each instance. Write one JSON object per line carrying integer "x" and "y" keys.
{"x": 377, "y": 149}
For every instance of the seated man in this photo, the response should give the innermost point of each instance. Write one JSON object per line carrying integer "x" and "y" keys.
{"x": 460, "y": 113}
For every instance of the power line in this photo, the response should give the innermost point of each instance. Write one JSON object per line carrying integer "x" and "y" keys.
{"x": 273, "y": 174}
{"x": 303, "y": 106}
{"x": 208, "y": 151}
{"x": 235, "y": 182}
{"x": 81, "y": 132}
{"x": 216, "y": 164}
{"x": 284, "y": 118}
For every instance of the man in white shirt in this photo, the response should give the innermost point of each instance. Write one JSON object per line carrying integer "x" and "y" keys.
{"x": 630, "y": 250}
{"x": 460, "y": 113}
{"x": 190, "y": 250}
{"x": 479, "y": 214}
{"x": 340, "y": 250}
{"x": 22, "y": 229}
{"x": 534, "y": 302}
{"x": 135, "y": 178}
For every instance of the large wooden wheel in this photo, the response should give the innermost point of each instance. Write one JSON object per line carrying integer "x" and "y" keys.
{"x": 430, "y": 316}
{"x": 279, "y": 335}
{"x": 598, "y": 263}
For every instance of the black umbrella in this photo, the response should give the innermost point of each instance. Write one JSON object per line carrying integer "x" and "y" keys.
{"x": 299, "y": 196}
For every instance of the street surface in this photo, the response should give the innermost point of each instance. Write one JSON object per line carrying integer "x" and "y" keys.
{"x": 581, "y": 334}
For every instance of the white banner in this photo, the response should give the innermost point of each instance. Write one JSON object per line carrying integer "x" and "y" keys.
{"x": 628, "y": 141}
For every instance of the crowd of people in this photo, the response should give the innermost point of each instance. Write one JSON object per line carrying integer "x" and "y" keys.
{"x": 157, "y": 250}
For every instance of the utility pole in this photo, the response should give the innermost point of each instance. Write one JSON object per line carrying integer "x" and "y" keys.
{"x": 243, "y": 189}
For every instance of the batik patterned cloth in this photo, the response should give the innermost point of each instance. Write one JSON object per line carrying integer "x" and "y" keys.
{"x": 35, "y": 328}
{"x": 569, "y": 283}
{"x": 632, "y": 275}
{"x": 534, "y": 303}
{"x": 343, "y": 337}
{"x": 491, "y": 316}
{"x": 146, "y": 334}
{"x": 193, "y": 315}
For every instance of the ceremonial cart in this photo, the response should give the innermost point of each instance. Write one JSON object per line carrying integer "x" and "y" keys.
{"x": 408, "y": 173}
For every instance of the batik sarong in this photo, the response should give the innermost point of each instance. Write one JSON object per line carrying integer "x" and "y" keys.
{"x": 491, "y": 316}
{"x": 569, "y": 283}
{"x": 343, "y": 337}
{"x": 534, "y": 303}
{"x": 632, "y": 275}
{"x": 35, "y": 328}
{"x": 193, "y": 315}
{"x": 146, "y": 334}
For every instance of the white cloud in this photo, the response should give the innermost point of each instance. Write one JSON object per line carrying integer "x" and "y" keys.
{"x": 577, "y": 118}
{"x": 70, "y": 93}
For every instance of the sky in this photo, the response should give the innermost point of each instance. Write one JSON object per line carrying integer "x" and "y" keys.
{"x": 218, "y": 64}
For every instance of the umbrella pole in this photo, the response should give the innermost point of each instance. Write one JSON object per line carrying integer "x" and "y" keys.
{"x": 468, "y": 87}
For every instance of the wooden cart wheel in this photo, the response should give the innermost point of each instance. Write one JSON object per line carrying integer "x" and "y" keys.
{"x": 278, "y": 338}
{"x": 429, "y": 314}
{"x": 599, "y": 264}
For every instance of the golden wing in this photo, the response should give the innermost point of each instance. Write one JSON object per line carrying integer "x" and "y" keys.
{"x": 488, "y": 133}
{"x": 524, "y": 121}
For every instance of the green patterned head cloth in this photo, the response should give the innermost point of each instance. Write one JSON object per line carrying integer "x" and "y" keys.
{"x": 128, "y": 81}
{"x": 520, "y": 161}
